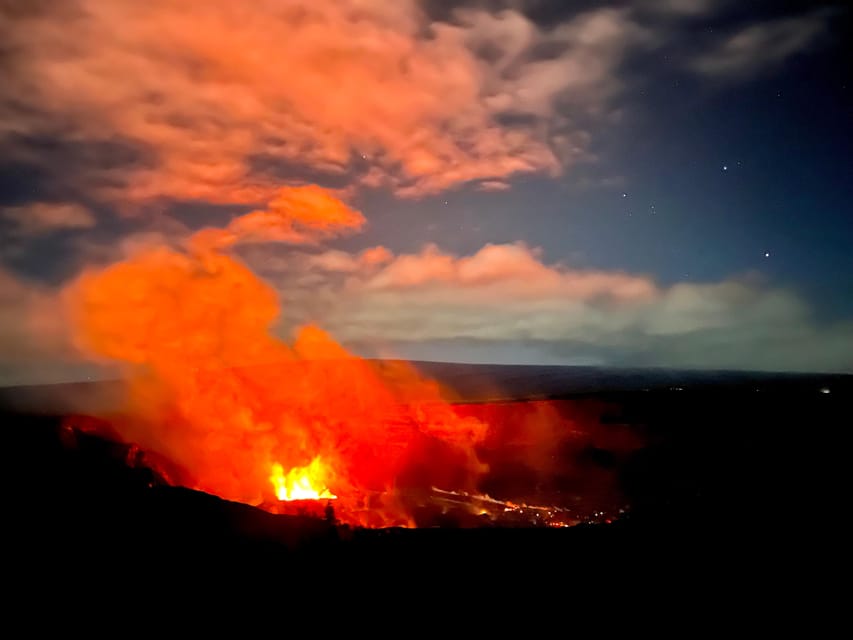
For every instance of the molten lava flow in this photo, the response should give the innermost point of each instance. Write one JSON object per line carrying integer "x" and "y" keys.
{"x": 302, "y": 483}
{"x": 192, "y": 331}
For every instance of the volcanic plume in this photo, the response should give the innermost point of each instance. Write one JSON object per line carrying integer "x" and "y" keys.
{"x": 241, "y": 413}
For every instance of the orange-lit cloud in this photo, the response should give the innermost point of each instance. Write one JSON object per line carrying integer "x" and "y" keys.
{"x": 37, "y": 218}
{"x": 510, "y": 271}
{"x": 294, "y": 215}
{"x": 222, "y": 98}
{"x": 343, "y": 262}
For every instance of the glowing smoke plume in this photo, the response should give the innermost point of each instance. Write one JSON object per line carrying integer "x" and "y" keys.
{"x": 192, "y": 330}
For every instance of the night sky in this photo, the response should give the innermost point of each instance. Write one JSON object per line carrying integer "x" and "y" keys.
{"x": 648, "y": 183}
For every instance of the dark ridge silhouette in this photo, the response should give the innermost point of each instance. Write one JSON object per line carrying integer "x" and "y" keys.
{"x": 481, "y": 383}
{"x": 736, "y": 473}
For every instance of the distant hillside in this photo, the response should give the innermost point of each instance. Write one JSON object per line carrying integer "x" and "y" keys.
{"x": 484, "y": 382}
{"x": 479, "y": 383}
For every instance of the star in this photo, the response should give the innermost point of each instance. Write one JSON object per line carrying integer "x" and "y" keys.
{"x": 725, "y": 167}
{"x": 766, "y": 254}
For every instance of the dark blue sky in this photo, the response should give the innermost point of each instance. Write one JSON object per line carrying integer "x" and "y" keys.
{"x": 701, "y": 146}
{"x": 715, "y": 175}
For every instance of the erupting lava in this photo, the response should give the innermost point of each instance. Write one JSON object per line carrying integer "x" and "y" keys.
{"x": 192, "y": 331}
{"x": 302, "y": 483}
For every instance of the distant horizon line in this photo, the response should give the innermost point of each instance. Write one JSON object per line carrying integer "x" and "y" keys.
{"x": 602, "y": 368}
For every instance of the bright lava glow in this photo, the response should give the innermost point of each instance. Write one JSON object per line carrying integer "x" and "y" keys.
{"x": 301, "y": 483}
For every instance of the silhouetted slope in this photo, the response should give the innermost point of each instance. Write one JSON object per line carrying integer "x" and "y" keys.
{"x": 478, "y": 383}
{"x": 729, "y": 482}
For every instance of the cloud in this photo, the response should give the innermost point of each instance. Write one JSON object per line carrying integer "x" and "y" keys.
{"x": 679, "y": 8}
{"x": 34, "y": 344}
{"x": 513, "y": 268}
{"x": 503, "y": 303}
{"x": 343, "y": 262}
{"x": 215, "y": 100}
{"x": 761, "y": 46}
{"x": 294, "y": 215}
{"x": 493, "y": 185}
{"x": 37, "y": 218}
{"x": 227, "y": 103}
{"x": 507, "y": 297}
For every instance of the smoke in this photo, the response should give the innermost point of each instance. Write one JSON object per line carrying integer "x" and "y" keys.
{"x": 213, "y": 391}
{"x": 34, "y": 338}
{"x": 244, "y": 104}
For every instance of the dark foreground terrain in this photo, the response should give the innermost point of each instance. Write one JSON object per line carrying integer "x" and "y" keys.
{"x": 739, "y": 480}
